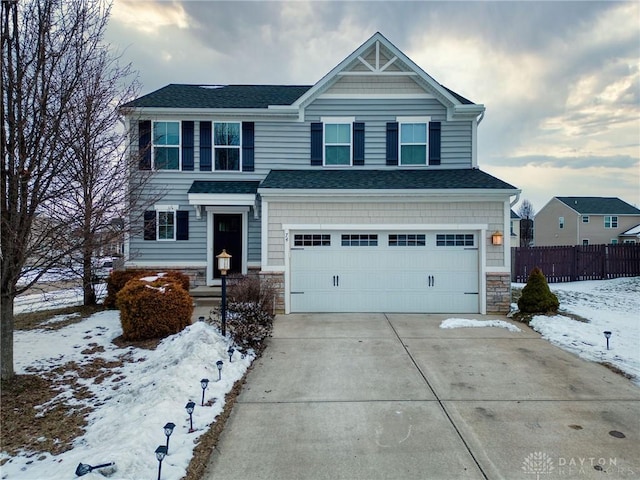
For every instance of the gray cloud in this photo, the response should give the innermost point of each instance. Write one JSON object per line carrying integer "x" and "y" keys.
{"x": 577, "y": 162}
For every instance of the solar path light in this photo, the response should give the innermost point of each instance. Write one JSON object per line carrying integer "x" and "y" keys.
{"x": 161, "y": 452}
{"x": 190, "y": 406}
{"x": 219, "y": 365}
{"x": 607, "y": 335}
{"x": 230, "y": 353}
{"x": 168, "y": 430}
{"x": 204, "y": 383}
{"x": 84, "y": 468}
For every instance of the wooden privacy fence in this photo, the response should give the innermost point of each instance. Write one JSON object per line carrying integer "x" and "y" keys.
{"x": 579, "y": 262}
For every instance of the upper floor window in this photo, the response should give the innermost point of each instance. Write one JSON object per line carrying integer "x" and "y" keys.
{"x": 166, "y": 145}
{"x": 560, "y": 222}
{"x": 226, "y": 145}
{"x": 413, "y": 143}
{"x": 610, "y": 221}
{"x": 585, "y": 219}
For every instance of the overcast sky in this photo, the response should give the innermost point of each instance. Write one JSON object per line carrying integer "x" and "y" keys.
{"x": 560, "y": 80}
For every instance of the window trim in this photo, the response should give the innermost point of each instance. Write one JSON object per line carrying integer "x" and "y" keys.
{"x": 337, "y": 121}
{"x": 166, "y": 209}
{"x": 613, "y": 221}
{"x": 413, "y": 120}
{"x": 178, "y": 146}
{"x": 214, "y": 146}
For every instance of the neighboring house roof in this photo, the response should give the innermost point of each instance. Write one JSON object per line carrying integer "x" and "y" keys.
{"x": 225, "y": 187}
{"x": 632, "y": 232}
{"x": 357, "y": 179}
{"x": 220, "y": 96}
{"x": 514, "y": 215}
{"x": 599, "y": 205}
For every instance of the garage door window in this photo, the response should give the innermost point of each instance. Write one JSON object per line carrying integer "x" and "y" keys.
{"x": 360, "y": 240}
{"x": 455, "y": 240}
{"x": 312, "y": 240}
{"x": 407, "y": 240}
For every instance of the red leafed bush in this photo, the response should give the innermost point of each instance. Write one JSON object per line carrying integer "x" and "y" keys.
{"x": 153, "y": 309}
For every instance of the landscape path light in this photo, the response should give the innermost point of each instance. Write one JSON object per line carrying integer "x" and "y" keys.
{"x": 204, "y": 383}
{"x": 219, "y": 365}
{"x": 83, "y": 468}
{"x": 607, "y": 335}
{"x": 161, "y": 452}
{"x": 190, "y": 406}
{"x": 168, "y": 430}
{"x": 224, "y": 265}
{"x": 230, "y": 353}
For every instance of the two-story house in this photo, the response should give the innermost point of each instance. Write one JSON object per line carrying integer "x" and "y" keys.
{"x": 585, "y": 221}
{"x": 361, "y": 193}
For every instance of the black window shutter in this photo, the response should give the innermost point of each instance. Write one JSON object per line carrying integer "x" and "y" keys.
{"x": 187, "y": 145}
{"x": 392, "y": 143}
{"x": 434, "y": 143}
{"x": 182, "y": 225}
{"x": 358, "y": 143}
{"x": 205, "y": 146}
{"x": 144, "y": 144}
{"x": 149, "y": 225}
{"x": 316, "y": 144}
{"x": 248, "y": 161}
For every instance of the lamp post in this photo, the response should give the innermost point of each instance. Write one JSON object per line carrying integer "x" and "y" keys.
{"x": 230, "y": 353}
{"x": 204, "y": 383}
{"x": 224, "y": 265}
{"x": 161, "y": 452}
{"x": 607, "y": 335}
{"x": 219, "y": 365}
{"x": 190, "y": 406}
{"x": 168, "y": 430}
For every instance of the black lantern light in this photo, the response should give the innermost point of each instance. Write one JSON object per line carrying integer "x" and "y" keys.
{"x": 224, "y": 265}
{"x": 161, "y": 452}
{"x": 204, "y": 383}
{"x": 219, "y": 365}
{"x": 168, "y": 430}
{"x": 230, "y": 353}
{"x": 190, "y": 406}
{"x": 607, "y": 335}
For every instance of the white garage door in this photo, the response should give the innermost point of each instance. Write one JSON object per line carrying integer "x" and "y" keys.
{"x": 431, "y": 272}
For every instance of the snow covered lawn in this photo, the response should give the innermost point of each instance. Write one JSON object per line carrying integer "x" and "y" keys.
{"x": 611, "y": 305}
{"x": 131, "y": 403}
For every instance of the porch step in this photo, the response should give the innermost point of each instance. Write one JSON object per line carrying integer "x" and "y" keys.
{"x": 204, "y": 296}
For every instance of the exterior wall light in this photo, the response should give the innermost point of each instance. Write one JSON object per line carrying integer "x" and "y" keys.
{"x": 496, "y": 238}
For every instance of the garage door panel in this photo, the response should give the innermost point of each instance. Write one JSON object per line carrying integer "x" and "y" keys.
{"x": 347, "y": 276}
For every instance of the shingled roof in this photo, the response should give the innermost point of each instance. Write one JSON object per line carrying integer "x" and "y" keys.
{"x": 599, "y": 206}
{"x": 358, "y": 179}
{"x": 220, "y": 96}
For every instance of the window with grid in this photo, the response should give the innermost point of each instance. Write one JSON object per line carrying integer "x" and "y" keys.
{"x": 226, "y": 144}
{"x": 312, "y": 240}
{"x": 407, "y": 240}
{"x": 166, "y": 145}
{"x": 610, "y": 221}
{"x": 337, "y": 143}
{"x": 359, "y": 240}
{"x": 166, "y": 226}
{"x": 413, "y": 143}
{"x": 455, "y": 240}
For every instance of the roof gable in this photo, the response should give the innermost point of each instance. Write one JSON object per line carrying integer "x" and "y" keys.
{"x": 599, "y": 205}
{"x": 378, "y": 56}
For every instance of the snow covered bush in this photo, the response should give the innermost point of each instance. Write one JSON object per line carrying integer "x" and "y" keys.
{"x": 536, "y": 296}
{"x": 248, "y": 324}
{"x": 119, "y": 278}
{"x": 153, "y": 307}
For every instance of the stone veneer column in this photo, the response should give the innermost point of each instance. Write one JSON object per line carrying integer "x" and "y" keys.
{"x": 498, "y": 293}
{"x": 277, "y": 282}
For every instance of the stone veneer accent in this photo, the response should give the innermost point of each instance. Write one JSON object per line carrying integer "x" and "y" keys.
{"x": 277, "y": 282}
{"x": 498, "y": 293}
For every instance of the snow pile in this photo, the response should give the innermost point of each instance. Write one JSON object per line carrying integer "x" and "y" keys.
{"x": 465, "y": 322}
{"x": 611, "y": 305}
{"x": 133, "y": 405}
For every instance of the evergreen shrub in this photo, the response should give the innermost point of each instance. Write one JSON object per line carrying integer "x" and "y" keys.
{"x": 119, "y": 278}
{"x": 153, "y": 309}
{"x": 536, "y": 296}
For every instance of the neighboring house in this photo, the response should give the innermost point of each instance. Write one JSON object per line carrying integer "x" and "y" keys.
{"x": 515, "y": 229}
{"x": 585, "y": 221}
{"x": 360, "y": 193}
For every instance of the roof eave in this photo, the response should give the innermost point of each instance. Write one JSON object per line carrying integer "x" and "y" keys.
{"x": 272, "y": 111}
{"x": 402, "y": 192}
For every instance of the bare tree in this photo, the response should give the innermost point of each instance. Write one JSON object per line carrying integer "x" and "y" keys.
{"x": 50, "y": 51}
{"x": 526, "y": 213}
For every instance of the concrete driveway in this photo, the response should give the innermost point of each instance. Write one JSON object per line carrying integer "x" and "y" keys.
{"x": 393, "y": 396}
